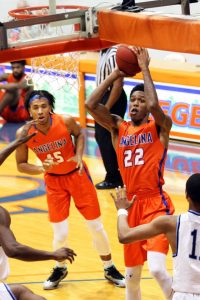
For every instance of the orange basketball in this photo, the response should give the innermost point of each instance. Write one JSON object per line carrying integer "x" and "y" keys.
{"x": 127, "y": 60}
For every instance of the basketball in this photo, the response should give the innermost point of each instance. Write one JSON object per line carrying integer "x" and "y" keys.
{"x": 127, "y": 60}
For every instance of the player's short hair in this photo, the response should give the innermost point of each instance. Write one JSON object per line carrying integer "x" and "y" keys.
{"x": 138, "y": 87}
{"x": 40, "y": 94}
{"x": 21, "y": 62}
{"x": 193, "y": 187}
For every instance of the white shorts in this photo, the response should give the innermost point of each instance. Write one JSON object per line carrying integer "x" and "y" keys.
{"x": 6, "y": 293}
{"x": 185, "y": 296}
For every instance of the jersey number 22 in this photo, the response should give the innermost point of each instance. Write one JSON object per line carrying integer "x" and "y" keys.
{"x": 133, "y": 158}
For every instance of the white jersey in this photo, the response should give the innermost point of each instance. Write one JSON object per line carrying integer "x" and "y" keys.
{"x": 185, "y": 296}
{"x": 186, "y": 261}
{"x": 106, "y": 64}
{"x": 4, "y": 265}
{"x": 6, "y": 293}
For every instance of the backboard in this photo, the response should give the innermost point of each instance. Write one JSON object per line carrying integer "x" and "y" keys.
{"x": 52, "y": 29}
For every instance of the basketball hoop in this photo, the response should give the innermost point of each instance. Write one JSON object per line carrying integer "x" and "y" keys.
{"x": 39, "y": 11}
{"x": 59, "y": 70}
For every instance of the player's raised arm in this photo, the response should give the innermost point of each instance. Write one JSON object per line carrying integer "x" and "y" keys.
{"x": 153, "y": 106}
{"x": 100, "y": 112}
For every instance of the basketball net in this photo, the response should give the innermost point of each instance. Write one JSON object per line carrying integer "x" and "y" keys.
{"x": 60, "y": 71}
{"x": 54, "y": 72}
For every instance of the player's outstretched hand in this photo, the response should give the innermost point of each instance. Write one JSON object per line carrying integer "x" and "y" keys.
{"x": 64, "y": 253}
{"x": 120, "y": 199}
{"x": 23, "y": 135}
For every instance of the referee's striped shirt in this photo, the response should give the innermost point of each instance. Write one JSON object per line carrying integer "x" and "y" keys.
{"x": 106, "y": 64}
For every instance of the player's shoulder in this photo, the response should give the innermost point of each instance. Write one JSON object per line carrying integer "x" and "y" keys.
{"x": 151, "y": 123}
{"x": 123, "y": 124}
{"x": 69, "y": 121}
{"x": 67, "y": 118}
{"x": 59, "y": 117}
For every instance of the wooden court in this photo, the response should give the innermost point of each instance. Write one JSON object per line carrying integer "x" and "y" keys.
{"x": 24, "y": 198}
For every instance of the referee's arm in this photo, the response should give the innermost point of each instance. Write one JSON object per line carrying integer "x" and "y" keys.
{"x": 97, "y": 110}
{"x": 115, "y": 93}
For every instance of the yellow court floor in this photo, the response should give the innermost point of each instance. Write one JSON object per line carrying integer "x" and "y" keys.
{"x": 24, "y": 198}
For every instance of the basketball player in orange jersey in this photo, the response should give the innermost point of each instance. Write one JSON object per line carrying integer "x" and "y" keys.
{"x": 141, "y": 146}
{"x": 13, "y": 93}
{"x": 182, "y": 232}
{"x": 10, "y": 247}
{"x": 66, "y": 176}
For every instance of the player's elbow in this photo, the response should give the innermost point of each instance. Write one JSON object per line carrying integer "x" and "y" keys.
{"x": 20, "y": 167}
{"x": 89, "y": 105}
{"x": 123, "y": 239}
{"x": 12, "y": 251}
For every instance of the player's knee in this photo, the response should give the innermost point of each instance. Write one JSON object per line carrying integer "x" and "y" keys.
{"x": 132, "y": 281}
{"x": 156, "y": 271}
{"x": 60, "y": 237}
{"x": 99, "y": 236}
{"x": 157, "y": 264}
{"x": 60, "y": 230}
{"x": 95, "y": 226}
{"x": 132, "y": 277}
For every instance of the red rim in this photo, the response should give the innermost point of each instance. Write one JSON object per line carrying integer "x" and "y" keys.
{"x": 25, "y": 13}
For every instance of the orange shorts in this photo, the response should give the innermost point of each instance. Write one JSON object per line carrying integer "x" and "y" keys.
{"x": 144, "y": 210}
{"x": 60, "y": 189}
{"x": 19, "y": 114}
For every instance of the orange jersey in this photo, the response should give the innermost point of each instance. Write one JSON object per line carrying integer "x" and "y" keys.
{"x": 56, "y": 144}
{"x": 19, "y": 113}
{"x": 12, "y": 79}
{"x": 141, "y": 157}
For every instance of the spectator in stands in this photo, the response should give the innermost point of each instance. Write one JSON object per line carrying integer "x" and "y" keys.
{"x": 13, "y": 93}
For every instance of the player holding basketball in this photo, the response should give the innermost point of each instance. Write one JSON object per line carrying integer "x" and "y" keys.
{"x": 13, "y": 93}
{"x": 66, "y": 176}
{"x": 141, "y": 146}
{"x": 182, "y": 233}
{"x": 10, "y": 247}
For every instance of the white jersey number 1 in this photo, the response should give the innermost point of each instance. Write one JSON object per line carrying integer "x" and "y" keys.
{"x": 194, "y": 243}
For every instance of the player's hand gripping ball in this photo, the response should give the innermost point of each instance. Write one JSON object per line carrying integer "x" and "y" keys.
{"x": 127, "y": 60}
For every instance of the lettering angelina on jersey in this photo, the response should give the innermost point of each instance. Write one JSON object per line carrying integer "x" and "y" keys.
{"x": 50, "y": 146}
{"x": 133, "y": 140}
